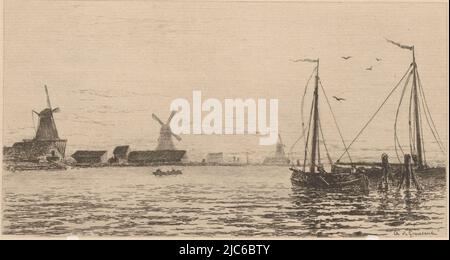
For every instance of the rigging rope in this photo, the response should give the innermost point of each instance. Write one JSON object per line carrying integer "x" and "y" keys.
{"x": 324, "y": 143}
{"x": 318, "y": 138}
{"x": 296, "y": 141}
{"x": 422, "y": 140}
{"x": 396, "y": 141}
{"x": 376, "y": 112}
{"x": 412, "y": 147}
{"x": 335, "y": 121}
{"x": 307, "y": 137}
{"x": 32, "y": 119}
{"x": 428, "y": 114}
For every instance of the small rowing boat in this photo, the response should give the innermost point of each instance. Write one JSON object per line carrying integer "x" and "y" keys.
{"x": 159, "y": 172}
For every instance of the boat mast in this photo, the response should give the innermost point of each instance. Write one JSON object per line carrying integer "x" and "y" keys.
{"x": 417, "y": 115}
{"x": 315, "y": 135}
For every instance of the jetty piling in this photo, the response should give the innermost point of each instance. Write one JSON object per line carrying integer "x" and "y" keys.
{"x": 384, "y": 182}
{"x": 408, "y": 176}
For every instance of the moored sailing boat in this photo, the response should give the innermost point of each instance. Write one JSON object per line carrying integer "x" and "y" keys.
{"x": 418, "y": 109}
{"x": 316, "y": 176}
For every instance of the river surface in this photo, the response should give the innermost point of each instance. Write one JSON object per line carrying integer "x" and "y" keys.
{"x": 216, "y": 202}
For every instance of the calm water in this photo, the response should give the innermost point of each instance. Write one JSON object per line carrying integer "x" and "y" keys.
{"x": 209, "y": 202}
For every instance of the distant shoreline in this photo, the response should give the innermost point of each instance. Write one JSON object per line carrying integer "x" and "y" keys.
{"x": 28, "y": 166}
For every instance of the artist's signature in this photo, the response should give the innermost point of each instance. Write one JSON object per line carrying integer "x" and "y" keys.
{"x": 412, "y": 233}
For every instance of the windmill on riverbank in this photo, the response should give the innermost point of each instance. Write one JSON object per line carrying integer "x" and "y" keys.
{"x": 279, "y": 158}
{"x": 165, "y": 152}
{"x": 46, "y": 144}
{"x": 165, "y": 141}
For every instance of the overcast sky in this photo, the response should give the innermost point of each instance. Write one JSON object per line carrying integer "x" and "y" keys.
{"x": 110, "y": 64}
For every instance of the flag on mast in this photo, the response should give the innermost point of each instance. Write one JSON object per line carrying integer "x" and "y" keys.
{"x": 400, "y": 45}
{"x": 305, "y": 60}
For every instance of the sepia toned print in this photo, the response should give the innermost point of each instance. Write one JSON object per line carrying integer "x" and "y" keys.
{"x": 224, "y": 119}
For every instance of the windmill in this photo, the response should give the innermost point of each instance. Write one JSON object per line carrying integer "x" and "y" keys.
{"x": 280, "y": 148}
{"x": 279, "y": 158}
{"x": 46, "y": 129}
{"x": 165, "y": 134}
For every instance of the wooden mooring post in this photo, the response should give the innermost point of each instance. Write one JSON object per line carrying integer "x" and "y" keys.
{"x": 408, "y": 175}
{"x": 384, "y": 182}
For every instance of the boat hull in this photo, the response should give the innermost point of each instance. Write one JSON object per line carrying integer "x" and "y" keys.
{"x": 374, "y": 170}
{"x": 329, "y": 180}
{"x": 431, "y": 171}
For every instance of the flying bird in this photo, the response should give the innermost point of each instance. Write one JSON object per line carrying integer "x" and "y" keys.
{"x": 369, "y": 68}
{"x": 346, "y": 57}
{"x": 339, "y": 98}
{"x": 378, "y": 59}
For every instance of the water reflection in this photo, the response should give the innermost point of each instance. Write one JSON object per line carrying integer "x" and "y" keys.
{"x": 412, "y": 200}
{"x": 330, "y": 213}
{"x": 214, "y": 202}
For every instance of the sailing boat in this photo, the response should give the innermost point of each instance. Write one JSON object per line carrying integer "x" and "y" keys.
{"x": 417, "y": 144}
{"x": 316, "y": 176}
{"x": 418, "y": 109}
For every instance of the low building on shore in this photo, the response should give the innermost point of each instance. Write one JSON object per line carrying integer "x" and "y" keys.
{"x": 120, "y": 154}
{"x": 90, "y": 157}
{"x": 156, "y": 156}
{"x": 214, "y": 158}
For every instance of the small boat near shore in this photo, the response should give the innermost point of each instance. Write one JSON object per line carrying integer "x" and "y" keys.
{"x": 159, "y": 172}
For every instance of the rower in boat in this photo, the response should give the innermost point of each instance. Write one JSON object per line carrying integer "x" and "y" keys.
{"x": 316, "y": 176}
{"x": 159, "y": 172}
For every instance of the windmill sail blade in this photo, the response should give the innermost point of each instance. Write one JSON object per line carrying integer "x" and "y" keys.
{"x": 171, "y": 116}
{"x": 56, "y": 110}
{"x": 34, "y": 111}
{"x": 48, "y": 97}
{"x": 157, "y": 119}
{"x": 176, "y": 136}
{"x": 279, "y": 138}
